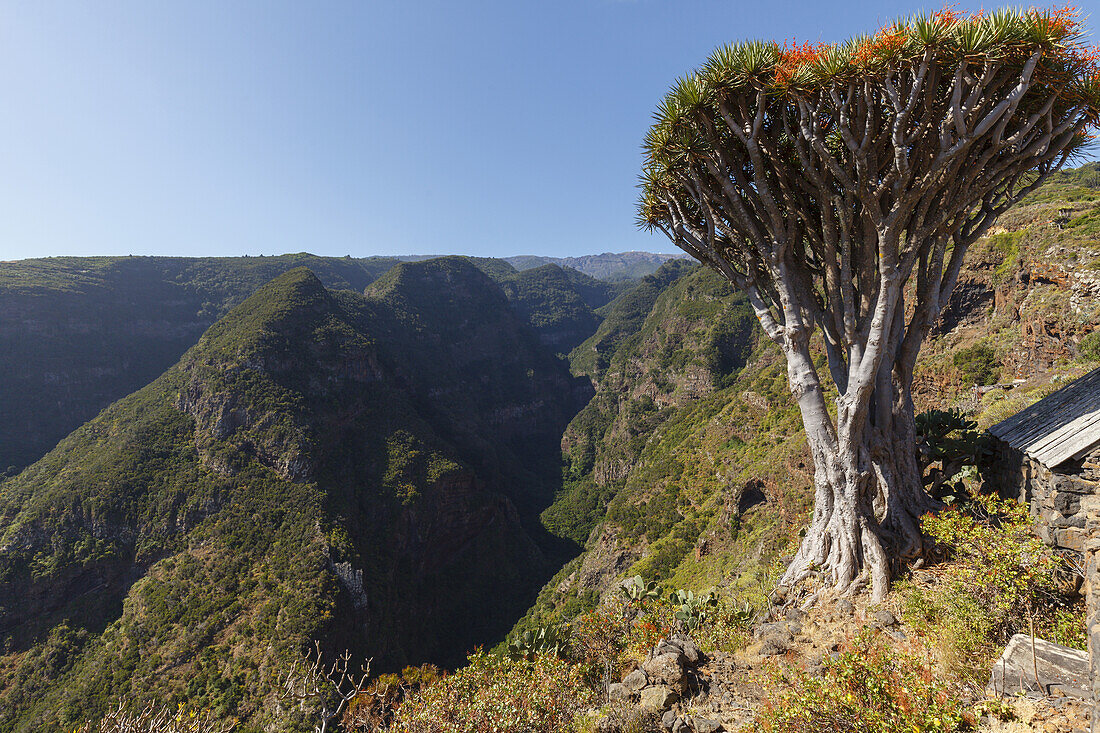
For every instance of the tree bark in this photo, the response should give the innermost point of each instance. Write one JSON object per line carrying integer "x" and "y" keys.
{"x": 869, "y": 495}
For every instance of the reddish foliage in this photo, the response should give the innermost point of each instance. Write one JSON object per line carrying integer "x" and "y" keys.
{"x": 884, "y": 43}
{"x": 647, "y": 632}
{"x": 949, "y": 16}
{"x": 1065, "y": 22}
{"x": 793, "y": 56}
{"x": 1084, "y": 60}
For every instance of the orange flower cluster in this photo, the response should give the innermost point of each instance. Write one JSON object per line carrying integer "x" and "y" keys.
{"x": 887, "y": 41}
{"x": 793, "y": 56}
{"x": 647, "y": 632}
{"x": 1065, "y": 21}
{"x": 950, "y": 16}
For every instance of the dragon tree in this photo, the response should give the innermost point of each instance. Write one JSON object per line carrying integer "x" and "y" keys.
{"x": 839, "y": 187}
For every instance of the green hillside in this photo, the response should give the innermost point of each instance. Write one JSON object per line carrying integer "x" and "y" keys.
{"x": 319, "y": 465}
{"x": 622, "y": 318}
{"x": 77, "y": 333}
{"x": 689, "y": 465}
{"x": 558, "y": 303}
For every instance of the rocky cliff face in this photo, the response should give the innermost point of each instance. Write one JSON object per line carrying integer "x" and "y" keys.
{"x": 1028, "y": 292}
{"x": 362, "y": 470}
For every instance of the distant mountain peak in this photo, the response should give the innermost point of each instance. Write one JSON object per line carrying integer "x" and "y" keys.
{"x": 607, "y": 266}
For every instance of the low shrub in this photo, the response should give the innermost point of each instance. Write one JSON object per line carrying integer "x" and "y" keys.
{"x": 977, "y": 364}
{"x": 494, "y": 694}
{"x": 623, "y": 631}
{"x": 598, "y": 640}
{"x": 374, "y": 709}
{"x": 1000, "y": 580}
{"x": 728, "y": 628}
{"x": 621, "y": 718}
{"x": 646, "y": 630}
{"x": 1088, "y": 349}
{"x": 867, "y": 688}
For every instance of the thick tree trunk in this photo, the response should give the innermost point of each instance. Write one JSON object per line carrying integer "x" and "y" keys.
{"x": 869, "y": 495}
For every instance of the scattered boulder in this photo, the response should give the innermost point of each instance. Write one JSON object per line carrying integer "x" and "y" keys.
{"x": 664, "y": 677}
{"x": 680, "y": 644}
{"x": 774, "y": 631}
{"x": 667, "y": 669}
{"x": 844, "y": 607}
{"x": 885, "y": 618}
{"x": 668, "y": 720}
{"x": 659, "y": 697}
{"x": 692, "y": 652}
{"x": 705, "y": 725}
{"x": 1052, "y": 670}
{"x": 897, "y": 634}
{"x": 635, "y": 681}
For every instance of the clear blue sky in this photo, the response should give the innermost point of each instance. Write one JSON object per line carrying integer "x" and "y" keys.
{"x": 372, "y": 127}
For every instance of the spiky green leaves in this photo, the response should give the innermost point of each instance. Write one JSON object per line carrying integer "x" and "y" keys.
{"x": 739, "y": 65}
{"x": 740, "y": 77}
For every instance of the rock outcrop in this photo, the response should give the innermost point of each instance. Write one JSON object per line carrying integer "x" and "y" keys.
{"x": 1031, "y": 665}
{"x": 669, "y": 674}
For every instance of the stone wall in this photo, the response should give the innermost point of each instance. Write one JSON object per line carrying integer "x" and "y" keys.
{"x": 1092, "y": 603}
{"x": 1057, "y": 498}
{"x": 1065, "y": 503}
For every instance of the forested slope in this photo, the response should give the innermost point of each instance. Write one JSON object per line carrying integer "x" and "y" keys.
{"x": 364, "y": 470}
{"x": 77, "y": 333}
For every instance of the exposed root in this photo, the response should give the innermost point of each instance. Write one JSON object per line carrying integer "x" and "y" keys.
{"x": 849, "y": 553}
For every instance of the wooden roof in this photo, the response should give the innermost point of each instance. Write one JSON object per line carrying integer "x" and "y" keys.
{"x": 1059, "y": 427}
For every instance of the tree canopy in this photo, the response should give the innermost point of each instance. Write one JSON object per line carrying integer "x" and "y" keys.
{"x": 823, "y": 144}
{"x": 819, "y": 178}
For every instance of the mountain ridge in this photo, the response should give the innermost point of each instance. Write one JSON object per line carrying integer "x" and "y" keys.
{"x": 78, "y": 333}
{"x": 609, "y": 265}
{"x": 294, "y": 476}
